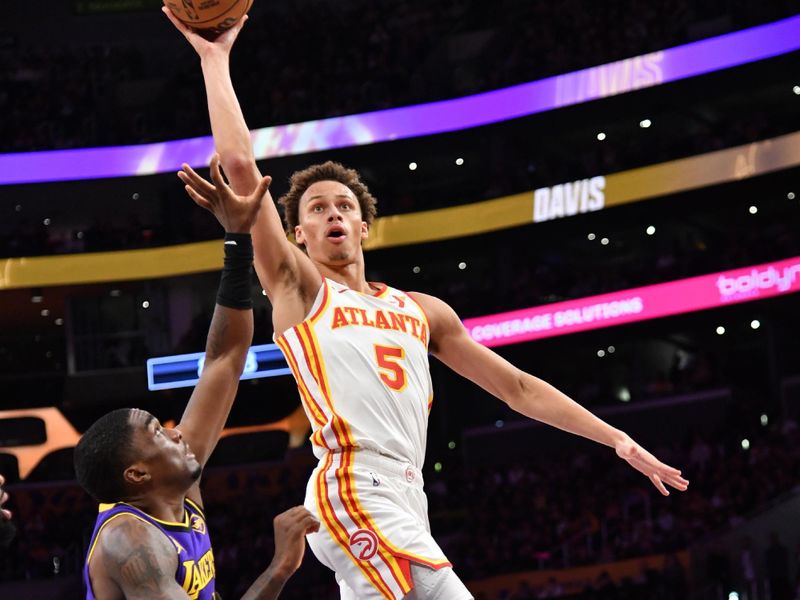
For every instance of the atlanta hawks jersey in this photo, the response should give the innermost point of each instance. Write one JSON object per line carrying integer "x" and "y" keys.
{"x": 361, "y": 365}
{"x": 196, "y": 573}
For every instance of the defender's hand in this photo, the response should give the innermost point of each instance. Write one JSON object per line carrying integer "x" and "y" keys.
{"x": 223, "y": 42}
{"x": 235, "y": 213}
{"x": 5, "y": 514}
{"x": 291, "y": 528}
{"x": 647, "y": 464}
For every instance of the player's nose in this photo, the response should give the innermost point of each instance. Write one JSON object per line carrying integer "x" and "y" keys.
{"x": 175, "y": 435}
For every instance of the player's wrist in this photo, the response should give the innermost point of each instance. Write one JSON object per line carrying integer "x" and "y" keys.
{"x": 234, "y": 285}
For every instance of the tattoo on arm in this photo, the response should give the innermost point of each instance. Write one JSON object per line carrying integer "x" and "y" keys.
{"x": 141, "y": 561}
{"x": 141, "y": 568}
{"x": 217, "y": 333}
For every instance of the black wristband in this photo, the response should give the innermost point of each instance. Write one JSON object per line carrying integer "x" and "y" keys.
{"x": 234, "y": 285}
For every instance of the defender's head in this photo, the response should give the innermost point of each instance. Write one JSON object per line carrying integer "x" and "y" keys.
{"x": 127, "y": 454}
{"x": 329, "y": 211}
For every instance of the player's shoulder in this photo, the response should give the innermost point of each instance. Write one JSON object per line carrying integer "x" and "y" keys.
{"x": 442, "y": 319}
{"x": 127, "y": 534}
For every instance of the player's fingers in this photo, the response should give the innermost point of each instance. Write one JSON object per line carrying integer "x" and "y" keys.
{"x": 178, "y": 25}
{"x": 263, "y": 186}
{"x": 190, "y": 177}
{"x": 2, "y": 480}
{"x": 198, "y": 199}
{"x": 3, "y": 496}
{"x": 659, "y": 484}
{"x": 6, "y": 514}
{"x": 216, "y": 174}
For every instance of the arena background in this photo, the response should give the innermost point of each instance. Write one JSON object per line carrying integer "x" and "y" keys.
{"x": 636, "y": 144}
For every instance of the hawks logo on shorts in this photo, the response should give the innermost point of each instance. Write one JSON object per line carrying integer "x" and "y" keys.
{"x": 364, "y": 544}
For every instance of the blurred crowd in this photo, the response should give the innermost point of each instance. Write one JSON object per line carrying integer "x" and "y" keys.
{"x": 297, "y": 62}
{"x": 554, "y": 512}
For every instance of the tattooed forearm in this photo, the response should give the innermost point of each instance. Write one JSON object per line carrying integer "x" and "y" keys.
{"x": 217, "y": 333}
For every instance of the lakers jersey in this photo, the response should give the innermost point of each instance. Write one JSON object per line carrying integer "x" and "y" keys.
{"x": 196, "y": 573}
{"x": 361, "y": 365}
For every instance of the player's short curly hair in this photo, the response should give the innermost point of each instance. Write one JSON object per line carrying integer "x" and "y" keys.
{"x": 328, "y": 171}
{"x": 103, "y": 453}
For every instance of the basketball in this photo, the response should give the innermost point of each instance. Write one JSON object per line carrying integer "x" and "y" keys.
{"x": 209, "y": 16}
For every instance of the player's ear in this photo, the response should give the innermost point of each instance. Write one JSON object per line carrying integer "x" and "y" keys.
{"x": 364, "y": 230}
{"x": 137, "y": 474}
{"x": 298, "y": 235}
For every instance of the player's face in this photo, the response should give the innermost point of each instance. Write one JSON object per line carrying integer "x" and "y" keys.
{"x": 331, "y": 227}
{"x": 163, "y": 452}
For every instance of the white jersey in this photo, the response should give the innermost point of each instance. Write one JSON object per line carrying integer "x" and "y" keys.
{"x": 361, "y": 365}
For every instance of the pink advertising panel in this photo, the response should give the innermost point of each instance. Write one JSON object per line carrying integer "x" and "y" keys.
{"x": 637, "y": 304}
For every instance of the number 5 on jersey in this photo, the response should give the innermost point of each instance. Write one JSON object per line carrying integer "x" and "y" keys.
{"x": 392, "y": 374}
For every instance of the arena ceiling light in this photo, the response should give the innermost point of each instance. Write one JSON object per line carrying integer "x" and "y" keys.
{"x": 645, "y": 123}
{"x": 720, "y": 330}
{"x": 459, "y": 161}
{"x": 412, "y": 166}
{"x": 753, "y": 209}
{"x": 796, "y": 90}
{"x": 591, "y": 237}
{"x": 755, "y": 324}
{"x": 650, "y": 230}
{"x": 605, "y": 241}
{"x": 790, "y": 196}
{"x": 601, "y": 136}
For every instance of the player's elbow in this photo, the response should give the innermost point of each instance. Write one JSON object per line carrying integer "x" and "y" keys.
{"x": 239, "y": 165}
{"x": 523, "y": 394}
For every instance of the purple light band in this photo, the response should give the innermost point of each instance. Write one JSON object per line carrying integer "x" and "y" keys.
{"x": 638, "y": 304}
{"x": 604, "y": 81}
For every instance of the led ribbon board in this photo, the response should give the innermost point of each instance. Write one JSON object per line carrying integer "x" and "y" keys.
{"x": 603, "y": 81}
{"x": 594, "y": 312}
{"x": 638, "y": 304}
{"x": 184, "y": 370}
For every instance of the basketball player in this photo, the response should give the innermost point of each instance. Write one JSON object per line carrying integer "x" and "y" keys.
{"x": 150, "y": 540}
{"x": 7, "y": 530}
{"x": 359, "y": 352}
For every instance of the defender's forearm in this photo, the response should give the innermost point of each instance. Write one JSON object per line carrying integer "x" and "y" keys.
{"x": 268, "y": 586}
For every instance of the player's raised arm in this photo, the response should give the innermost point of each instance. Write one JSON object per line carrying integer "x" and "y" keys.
{"x": 531, "y": 396}
{"x": 279, "y": 263}
{"x": 231, "y": 328}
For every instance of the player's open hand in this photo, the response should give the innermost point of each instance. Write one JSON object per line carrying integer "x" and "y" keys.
{"x": 652, "y": 468}
{"x": 5, "y": 514}
{"x": 291, "y": 528}
{"x": 235, "y": 213}
{"x": 204, "y": 46}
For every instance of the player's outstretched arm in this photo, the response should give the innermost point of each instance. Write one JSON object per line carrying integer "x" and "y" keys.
{"x": 231, "y": 328}
{"x": 532, "y": 396}
{"x": 279, "y": 263}
{"x": 290, "y": 527}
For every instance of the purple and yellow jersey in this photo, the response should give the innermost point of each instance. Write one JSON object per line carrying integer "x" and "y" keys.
{"x": 190, "y": 538}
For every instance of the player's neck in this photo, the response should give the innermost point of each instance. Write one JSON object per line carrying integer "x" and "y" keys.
{"x": 352, "y": 275}
{"x": 162, "y": 507}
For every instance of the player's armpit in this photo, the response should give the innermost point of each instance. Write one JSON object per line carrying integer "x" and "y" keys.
{"x": 452, "y": 344}
{"x": 140, "y": 560}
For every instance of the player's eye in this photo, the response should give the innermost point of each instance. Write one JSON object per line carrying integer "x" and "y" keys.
{"x": 316, "y": 209}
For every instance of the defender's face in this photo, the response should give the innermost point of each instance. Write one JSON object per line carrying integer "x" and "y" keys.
{"x": 331, "y": 226}
{"x": 163, "y": 453}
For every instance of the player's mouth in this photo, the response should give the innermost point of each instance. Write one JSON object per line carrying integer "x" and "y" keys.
{"x": 336, "y": 234}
